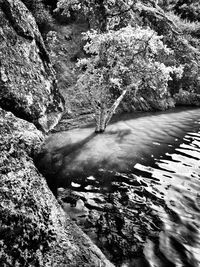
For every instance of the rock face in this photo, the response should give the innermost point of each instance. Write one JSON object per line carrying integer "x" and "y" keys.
{"x": 34, "y": 230}
{"x": 27, "y": 80}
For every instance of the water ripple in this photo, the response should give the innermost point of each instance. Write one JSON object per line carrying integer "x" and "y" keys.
{"x": 179, "y": 241}
{"x": 145, "y": 169}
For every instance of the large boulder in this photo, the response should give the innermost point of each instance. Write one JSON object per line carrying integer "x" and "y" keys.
{"x": 27, "y": 79}
{"x": 34, "y": 230}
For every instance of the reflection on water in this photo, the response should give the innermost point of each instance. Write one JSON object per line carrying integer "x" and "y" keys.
{"x": 179, "y": 182}
{"x": 148, "y": 168}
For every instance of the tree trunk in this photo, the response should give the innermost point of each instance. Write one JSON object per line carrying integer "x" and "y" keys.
{"x": 115, "y": 106}
{"x": 103, "y": 116}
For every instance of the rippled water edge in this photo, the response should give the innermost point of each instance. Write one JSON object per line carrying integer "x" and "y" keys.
{"x": 179, "y": 181}
{"x": 164, "y": 210}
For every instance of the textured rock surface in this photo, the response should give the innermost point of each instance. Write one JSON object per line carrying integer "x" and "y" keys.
{"x": 34, "y": 231}
{"x": 27, "y": 79}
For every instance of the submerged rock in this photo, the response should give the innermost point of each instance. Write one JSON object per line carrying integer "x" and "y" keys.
{"x": 34, "y": 230}
{"x": 27, "y": 79}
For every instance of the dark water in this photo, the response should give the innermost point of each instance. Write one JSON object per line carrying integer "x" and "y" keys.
{"x": 146, "y": 166}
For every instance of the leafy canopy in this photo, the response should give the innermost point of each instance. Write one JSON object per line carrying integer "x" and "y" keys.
{"x": 128, "y": 59}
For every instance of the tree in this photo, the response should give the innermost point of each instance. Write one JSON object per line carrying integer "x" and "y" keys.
{"x": 118, "y": 62}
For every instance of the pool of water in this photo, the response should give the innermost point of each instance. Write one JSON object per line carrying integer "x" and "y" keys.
{"x": 136, "y": 187}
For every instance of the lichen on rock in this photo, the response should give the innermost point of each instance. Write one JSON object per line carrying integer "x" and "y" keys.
{"x": 27, "y": 80}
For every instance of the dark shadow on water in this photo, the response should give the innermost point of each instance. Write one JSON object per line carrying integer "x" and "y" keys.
{"x": 50, "y": 164}
{"x": 74, "y": 148}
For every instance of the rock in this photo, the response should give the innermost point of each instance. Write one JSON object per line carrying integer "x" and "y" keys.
{"x": 34, "y": 230}
{"x": 27, "y": 80}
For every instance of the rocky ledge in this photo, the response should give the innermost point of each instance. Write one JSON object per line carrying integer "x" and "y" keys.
{"x": 34, "y": 230}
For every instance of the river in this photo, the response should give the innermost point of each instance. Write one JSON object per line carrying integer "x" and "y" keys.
{"x": 136, "y": 187}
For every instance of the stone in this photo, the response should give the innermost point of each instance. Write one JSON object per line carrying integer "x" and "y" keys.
{"x": 28, "y": 86}
{"x": 34, "y": 229}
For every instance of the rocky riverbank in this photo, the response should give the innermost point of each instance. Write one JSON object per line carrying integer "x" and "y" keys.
{"x": 34, "y": 229}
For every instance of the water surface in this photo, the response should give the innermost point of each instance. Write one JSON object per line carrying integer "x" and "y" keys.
{"x": 147, "y": 167}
